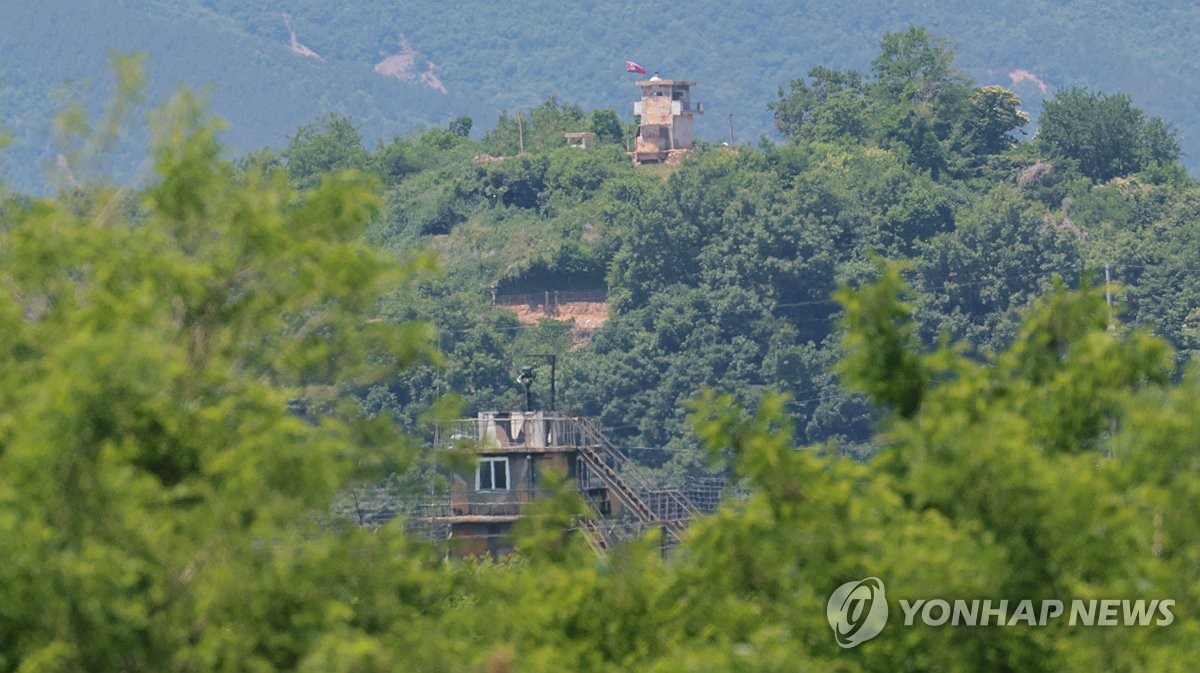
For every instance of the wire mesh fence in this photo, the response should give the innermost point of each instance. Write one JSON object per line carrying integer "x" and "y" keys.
{"x": 548, "y": 301}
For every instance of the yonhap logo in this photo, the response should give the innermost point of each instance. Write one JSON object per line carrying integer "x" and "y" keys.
{"x": 857, "y": 611}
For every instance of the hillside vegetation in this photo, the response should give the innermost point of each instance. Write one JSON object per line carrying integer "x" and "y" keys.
{"x": 719, "y": 272}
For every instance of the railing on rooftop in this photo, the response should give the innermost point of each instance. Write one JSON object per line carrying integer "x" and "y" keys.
{"x": 516, "y": 431}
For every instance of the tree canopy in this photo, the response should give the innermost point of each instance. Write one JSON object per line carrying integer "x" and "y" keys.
{"x": 1106, "y": 134}
{"x": 153, "y": 342}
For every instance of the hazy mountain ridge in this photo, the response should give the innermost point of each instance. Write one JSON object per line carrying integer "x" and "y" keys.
{"x": 50, "y": 56}
{"x": 489, "y": 56}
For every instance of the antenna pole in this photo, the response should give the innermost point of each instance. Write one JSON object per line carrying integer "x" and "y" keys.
{"x": 1108, "y": 296}
{"x": 553, "y": 365}
{"x": 527, "y": 376}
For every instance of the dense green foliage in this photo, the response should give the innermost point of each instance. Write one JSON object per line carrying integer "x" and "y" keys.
{"x": 1107, "y": 135}
{"x": 194, "y": 368}
{"x": 152, "y": 343}
{"x": 915, "y": 102}
{"x": 719, "y": 272}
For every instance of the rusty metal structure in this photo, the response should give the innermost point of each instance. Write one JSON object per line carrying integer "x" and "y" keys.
{"x": 499, "y": 464}
{"x": 512, "y": 451}
{"x": 667, "y": 113}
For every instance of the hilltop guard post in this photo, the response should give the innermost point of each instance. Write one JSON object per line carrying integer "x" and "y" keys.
{"x": 667, "y": 112}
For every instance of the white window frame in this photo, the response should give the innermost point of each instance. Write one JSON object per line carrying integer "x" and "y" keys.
{"x": 491, "y": 464}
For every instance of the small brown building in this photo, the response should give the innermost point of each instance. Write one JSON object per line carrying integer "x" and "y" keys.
{"x": 511, "y": 454}
{"x": 584, "y": 140}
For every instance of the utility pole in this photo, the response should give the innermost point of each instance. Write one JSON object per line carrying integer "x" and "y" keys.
{"x": 553, "y": 393}
{"x": 731, "y": 129}
{"x": 552, "y": 360}
{"x": 1108, "y": 297}
{"x": 521, "y": 131}
{"x": 1112, "y": 419}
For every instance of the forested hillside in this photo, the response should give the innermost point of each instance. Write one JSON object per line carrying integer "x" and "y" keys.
{"x": 922, "y": 351}
{"x": 720, "y": 272}
{"x": 397, "y": 66}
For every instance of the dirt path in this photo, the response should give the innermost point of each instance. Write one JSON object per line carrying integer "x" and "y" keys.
{"x": 585, "y": 317}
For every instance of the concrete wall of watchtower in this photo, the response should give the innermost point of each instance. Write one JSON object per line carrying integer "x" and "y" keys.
{"x": 666, "y": 113}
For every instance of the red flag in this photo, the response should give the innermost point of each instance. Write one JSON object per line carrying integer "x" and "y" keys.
{"x": 630, "y": 66}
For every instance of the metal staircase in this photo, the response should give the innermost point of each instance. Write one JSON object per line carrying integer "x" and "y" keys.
{"x": 668, "y": 508}
{"x": 597, "y": 538}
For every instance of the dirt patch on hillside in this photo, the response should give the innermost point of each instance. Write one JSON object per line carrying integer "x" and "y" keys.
{"x": 1020, "y": 75}
{"x": 294, "y": 45}
{"x": 405, "y": 64}
{"x": 585, "y": 317}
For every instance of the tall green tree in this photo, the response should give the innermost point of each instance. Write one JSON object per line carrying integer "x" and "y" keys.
{"x": 1106, "y": 134}
{"x": 158, "y": 500}
{"x": 332, "y": 143}
{"x": 994, "y": 115}
{"x": 1038, "y": 474}
{"x": 832, "y": 105}
{"x": 999, "y": 258}
{"x": 914, "y": 101}
{"x": 607, "y": 126}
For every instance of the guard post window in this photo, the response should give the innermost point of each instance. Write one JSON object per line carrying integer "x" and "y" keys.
{"x": 492, "y": 474}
